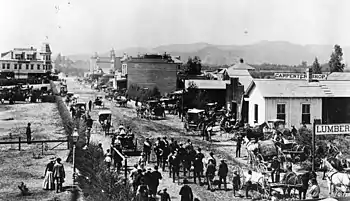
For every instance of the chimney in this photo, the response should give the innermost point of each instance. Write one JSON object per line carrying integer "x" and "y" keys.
{"x": 241, "y": 60}
{"x": 309, "y": 74}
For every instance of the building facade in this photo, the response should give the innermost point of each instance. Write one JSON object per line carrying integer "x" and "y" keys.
{"x": 149, "y": 71}
{"x": 105, "y": 65}
{"x": 26, "y": 63}
{"x": 298, "y": 102}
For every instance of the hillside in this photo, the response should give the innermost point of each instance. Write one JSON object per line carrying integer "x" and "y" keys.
{"x": 276, "y": 52}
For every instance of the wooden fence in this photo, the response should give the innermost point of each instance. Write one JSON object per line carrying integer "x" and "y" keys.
{"x": 19, "y": 142}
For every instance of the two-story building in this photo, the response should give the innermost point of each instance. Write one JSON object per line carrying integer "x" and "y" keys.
{"x": 26, "y": 63}
{"x": 152, "y": 70}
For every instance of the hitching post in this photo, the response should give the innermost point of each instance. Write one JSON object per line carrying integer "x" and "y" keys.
{"x": 126, "y": 170}
{"x": 316, "y": 121}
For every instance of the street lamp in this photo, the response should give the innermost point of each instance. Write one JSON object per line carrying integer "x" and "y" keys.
{"x": 75, "y": 138}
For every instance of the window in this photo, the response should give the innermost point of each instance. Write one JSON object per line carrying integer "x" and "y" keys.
{"x": 27, "y": 66}
{"x": 31, "y": 66}
{"x": 305, "y": 113}
{"x": 8, "y": 66}
{"x": 15, "y": 66}
{"x": 44, "y": 67}
{"x": 18, "y": 56}
{"x": 281, "y": 111}
{"x": 38, "y": 66}
{"x": 19, "y": 66}
{"x": 256, "y": 113}
{"x": 3, "y": 66}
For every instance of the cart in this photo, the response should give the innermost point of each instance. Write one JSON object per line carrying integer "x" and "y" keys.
{"x": 193, "y": 120}
{"x": 105, "y": 120}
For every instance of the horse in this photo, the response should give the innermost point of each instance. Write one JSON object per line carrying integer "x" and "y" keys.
{"x": 333, "y": 176}
{"x": 256, "y": 132}
{"x": 292, "y": 178}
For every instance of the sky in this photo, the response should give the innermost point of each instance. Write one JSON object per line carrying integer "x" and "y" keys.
{"x": 87, "y": 26}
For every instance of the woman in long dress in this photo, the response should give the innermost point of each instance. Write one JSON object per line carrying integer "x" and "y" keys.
{"x": 48, "y": 183}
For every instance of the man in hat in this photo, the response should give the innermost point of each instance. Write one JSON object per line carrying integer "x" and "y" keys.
{"x": 198, "y": 166}
{"x": 147, "y": 147}
{"x": 186, "y": 192}
{"x": 148, "y": 178}
{"x": 210, "y": 174}
{"x": 275, "y": 174}
{"x": 238, "y": 146}
{"x": 156, "y": 176}
{"x": 58, "y": 174}
{"x": 164, "y": 196}
{"x": 222, "y": 173}
{"x": 236, "y": 182}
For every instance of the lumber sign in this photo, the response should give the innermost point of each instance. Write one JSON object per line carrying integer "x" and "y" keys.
{"x": 332, "y": 129}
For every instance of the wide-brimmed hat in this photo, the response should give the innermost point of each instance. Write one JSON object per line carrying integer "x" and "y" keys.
{"x": 121, "y": 126}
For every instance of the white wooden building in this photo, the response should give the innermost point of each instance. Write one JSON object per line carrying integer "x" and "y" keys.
{"x": 298, "y": 101}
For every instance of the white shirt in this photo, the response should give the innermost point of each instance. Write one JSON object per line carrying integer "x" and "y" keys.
{"x": 248, "y": 178}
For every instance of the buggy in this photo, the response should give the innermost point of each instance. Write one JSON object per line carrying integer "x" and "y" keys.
{"x": 121, "y": 101}
{"x": 194, "y": 120}
{"x": 63, "y": 90}
{"x": 105, "y": 120}
{"x": 99, "y": 101}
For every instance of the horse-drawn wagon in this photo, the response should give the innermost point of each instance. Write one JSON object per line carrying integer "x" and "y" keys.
{"x": 260, "y": 153}
{"x": 125, "y": 140}
{"x": 99, "y": 101}
{"x": 193, "y": 120}
{"x": 121, "y": 101}
{"x": 105, "y": 120}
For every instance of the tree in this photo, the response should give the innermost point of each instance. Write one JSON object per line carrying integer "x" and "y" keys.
{"x": 304, "y": 64}
{"x": 193, "y": 66}
{"x": 335, "y": 62}
{"x": 194, "y": 98}
{"x": 316, "y": 68}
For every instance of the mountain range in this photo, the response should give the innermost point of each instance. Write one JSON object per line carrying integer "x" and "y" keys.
{"x": 274, "y": 52}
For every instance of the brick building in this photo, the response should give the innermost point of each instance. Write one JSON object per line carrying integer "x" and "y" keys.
{"x": 148, "y": 71}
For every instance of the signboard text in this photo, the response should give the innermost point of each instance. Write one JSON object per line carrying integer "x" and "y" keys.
{"x": 331, "y": 129}
{"x": 299, "y": 76}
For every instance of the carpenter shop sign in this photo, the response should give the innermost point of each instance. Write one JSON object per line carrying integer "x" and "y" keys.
{"x": 299, "y": 76}
{"x": 332, "y": 129}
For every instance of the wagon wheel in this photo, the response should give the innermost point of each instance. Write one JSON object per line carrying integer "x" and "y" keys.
{"x": 264, "y": 188}
{"x": 262, "y": 167}
{"x": 339, "y": 192}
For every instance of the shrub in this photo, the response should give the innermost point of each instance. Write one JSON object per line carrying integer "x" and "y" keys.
{"x": 95, "y": 181}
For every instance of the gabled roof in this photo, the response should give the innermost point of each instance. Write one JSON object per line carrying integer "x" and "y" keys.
{"x": 207, "y": 84}
{"x": 241, "y": 66}
{"x": 286, "y": 88}
{"x": 300, "y": 88}
{"x": 336, "y": 88}
{"x": 339, "y": 76}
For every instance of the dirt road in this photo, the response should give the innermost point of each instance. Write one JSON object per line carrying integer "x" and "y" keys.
{"x": 172, "y": 127}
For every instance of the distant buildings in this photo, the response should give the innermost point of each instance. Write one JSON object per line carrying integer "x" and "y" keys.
{"x": 151, "y": 70}
{"x": 26, "y": 63}
{"x": 104, "y": 65}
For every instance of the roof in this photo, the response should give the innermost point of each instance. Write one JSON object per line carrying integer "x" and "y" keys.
{"x": 339, "y": 76}
{"x": 104, "y": 112}
{"x": 300, "y": 88}
{"x": 241, "y": 66}
{"x": 336, "y": 88}
{"x": 176, "y": 60}
{"x": 286, "y": 88}
{"x": 208, "y": 84}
